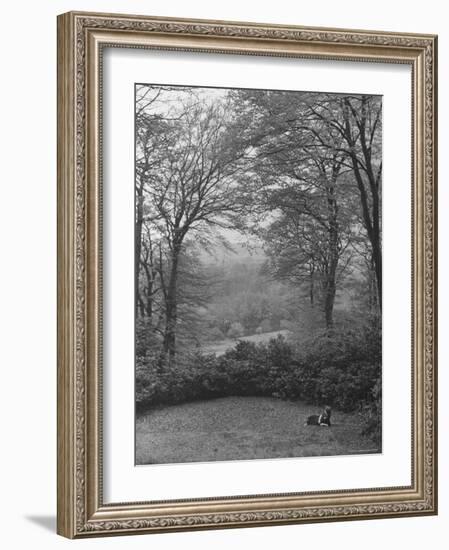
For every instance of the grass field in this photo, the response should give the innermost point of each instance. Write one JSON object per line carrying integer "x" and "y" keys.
{"x": 242, "y": 428}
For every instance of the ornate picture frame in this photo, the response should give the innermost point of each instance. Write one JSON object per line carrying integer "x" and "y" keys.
{"x": 82, "y": 511}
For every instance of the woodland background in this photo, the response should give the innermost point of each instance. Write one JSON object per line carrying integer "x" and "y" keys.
{"x": 258, "y": 247}
{"x": 28, "y": 506}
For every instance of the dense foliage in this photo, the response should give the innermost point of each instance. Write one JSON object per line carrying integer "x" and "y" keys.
{"x": 258, "y": 212}
{"x": 338, "y": 368}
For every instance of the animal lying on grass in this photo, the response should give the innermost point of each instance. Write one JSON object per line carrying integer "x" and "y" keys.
{"x": 323, "y": 419}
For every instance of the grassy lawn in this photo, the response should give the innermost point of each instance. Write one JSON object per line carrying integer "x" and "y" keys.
{"x": 242, "y": 428}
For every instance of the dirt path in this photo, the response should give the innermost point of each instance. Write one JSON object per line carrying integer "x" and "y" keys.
{"x": 242, "y": 428}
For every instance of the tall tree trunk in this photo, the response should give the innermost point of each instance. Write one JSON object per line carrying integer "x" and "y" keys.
{"x": 312, "y": 286}
{"x": 138, "y": 244}
{"x": 148, "y": 267}
{"x": 373, "y": 301}
{"x": 149, "y": 296}
{"x": 333, "y": 254}
{"x": 377, "y": 259}
{"x": 368, "y": 189}
{"x": 330, "y": 287}
{"x": 329, "y": 299}
{"x": 171, "y": 305}
{"x": 372, "y": 224}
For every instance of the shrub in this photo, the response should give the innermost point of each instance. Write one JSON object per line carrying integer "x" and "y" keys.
{"x": 371, "y": 413}
{"x": 339, "y": 368}
{"x": 215, "y": 334}
{"x": 146, "y": 340}
{"x": 236, "y": 330}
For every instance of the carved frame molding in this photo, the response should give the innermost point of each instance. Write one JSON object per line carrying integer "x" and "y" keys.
{"x": 81, "y": 37}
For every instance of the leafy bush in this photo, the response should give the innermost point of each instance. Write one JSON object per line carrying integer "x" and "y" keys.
{"x": 145, "y": 336}
{"x": 341, "y": 369}
{"x": 371, "y": 412}
{"x": 265, "y": 325}
{"x": 236, "y": 330}
{"x": 215, "y": 334}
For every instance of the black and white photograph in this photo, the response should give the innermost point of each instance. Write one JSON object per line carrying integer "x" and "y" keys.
{"x": 258, "y": 274}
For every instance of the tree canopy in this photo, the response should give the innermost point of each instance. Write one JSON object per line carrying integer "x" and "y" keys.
{"x": 297, "y": 175}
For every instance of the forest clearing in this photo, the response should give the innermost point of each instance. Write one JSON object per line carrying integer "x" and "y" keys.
{"x": 242, "y": 428}
{"x": 258, "y": 272}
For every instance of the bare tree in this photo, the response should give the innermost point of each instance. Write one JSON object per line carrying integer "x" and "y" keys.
{"x": 358, "y": 120}
{"x": 191, "y": 188}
